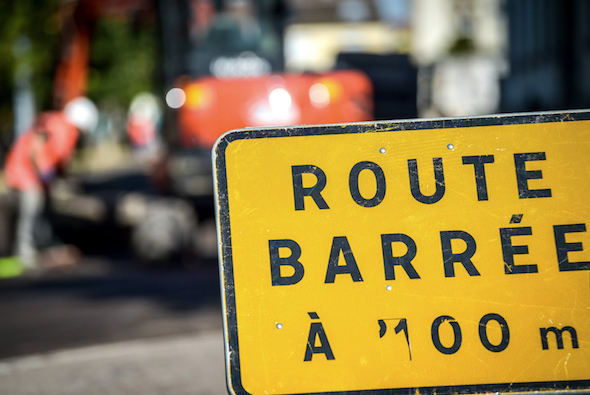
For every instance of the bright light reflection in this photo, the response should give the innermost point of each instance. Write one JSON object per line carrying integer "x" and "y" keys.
{"x": 319, "y": 94}
{"x": 280, "y": 100}
{"x": 175, "y": 98}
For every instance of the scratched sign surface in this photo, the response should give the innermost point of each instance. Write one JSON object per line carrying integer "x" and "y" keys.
{"x": 439, "y": 256}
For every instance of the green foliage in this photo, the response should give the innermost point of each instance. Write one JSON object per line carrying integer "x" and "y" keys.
{"x": 123, "y": 61}
{"x": 32, "y": 22}
{"x": 462, "y": 46}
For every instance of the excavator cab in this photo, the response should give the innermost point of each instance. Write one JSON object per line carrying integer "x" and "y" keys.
{"x": 233, "y": 75}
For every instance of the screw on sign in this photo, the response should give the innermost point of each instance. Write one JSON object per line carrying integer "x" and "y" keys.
{"x": 435, "y": 256}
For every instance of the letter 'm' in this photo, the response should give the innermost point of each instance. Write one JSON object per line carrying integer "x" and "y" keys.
{"x": 558, "y": 332}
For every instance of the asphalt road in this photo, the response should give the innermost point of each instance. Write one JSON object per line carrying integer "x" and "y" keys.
{"x": 109, "y": 326}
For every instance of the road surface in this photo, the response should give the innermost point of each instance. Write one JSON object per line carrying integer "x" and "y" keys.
{"x": 110, "y": 327}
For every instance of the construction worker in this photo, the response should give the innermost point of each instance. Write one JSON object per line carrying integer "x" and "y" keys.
{"x": 36, "y": 158}
{"x": 143, "y": 123}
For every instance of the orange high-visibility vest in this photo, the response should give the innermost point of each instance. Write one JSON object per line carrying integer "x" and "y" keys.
{"x": 40, "y": 151}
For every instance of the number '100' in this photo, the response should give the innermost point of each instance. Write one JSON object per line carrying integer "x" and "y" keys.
{"x": 483, "y": 335}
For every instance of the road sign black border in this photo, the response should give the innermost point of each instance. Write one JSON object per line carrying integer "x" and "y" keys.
{"x": 234, "y": 381}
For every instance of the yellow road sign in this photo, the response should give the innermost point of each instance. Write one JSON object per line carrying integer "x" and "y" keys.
{"x": 439, "y": 256}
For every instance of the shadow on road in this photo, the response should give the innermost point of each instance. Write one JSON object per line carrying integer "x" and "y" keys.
{"x": 106, "y": 300}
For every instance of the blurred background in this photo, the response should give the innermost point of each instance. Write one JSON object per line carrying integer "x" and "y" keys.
{"x": 138, "y": 310}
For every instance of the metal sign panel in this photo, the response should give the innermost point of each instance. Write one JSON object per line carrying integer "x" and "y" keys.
{"x": 440, "y": 256}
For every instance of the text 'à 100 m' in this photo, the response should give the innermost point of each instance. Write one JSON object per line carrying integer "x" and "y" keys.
{"x": 318, "y": 342}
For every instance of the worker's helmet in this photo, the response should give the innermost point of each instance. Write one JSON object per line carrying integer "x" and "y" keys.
{"x": 82, "y": 113}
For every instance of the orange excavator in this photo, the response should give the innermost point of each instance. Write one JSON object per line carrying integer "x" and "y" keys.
{"x": 222, "y": 67}
{"x": 226, "y": 58}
